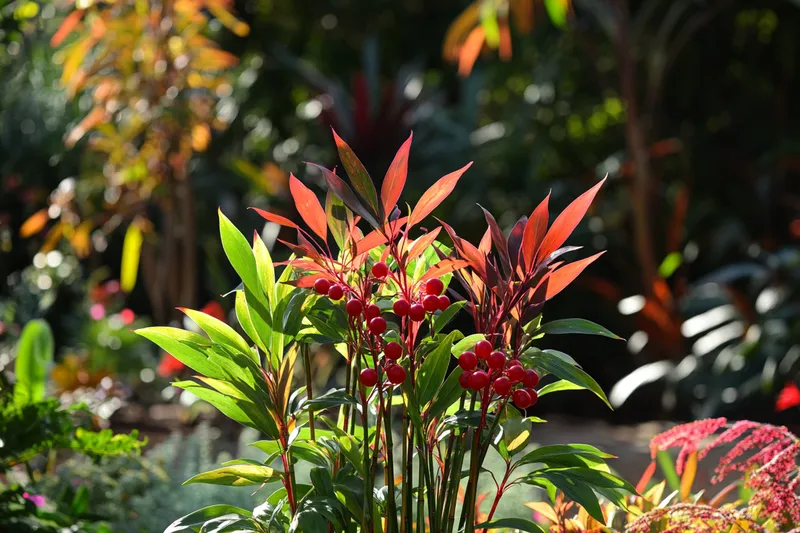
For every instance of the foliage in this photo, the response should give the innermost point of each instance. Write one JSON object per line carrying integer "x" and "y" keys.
{"x": 398, "y": 368}
{"x": 32, "y": 424}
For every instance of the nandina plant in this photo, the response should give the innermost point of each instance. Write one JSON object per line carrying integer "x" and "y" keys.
{"x": 400, "y": 447}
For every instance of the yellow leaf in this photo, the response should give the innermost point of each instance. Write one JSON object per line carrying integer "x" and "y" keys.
{"x": 689, "y": 473}
{"x": 458, "y": 31}
{"x": 80, "y": 239}
{"x": 469, "y": 52}
{"x": 655, "y": 493}
{"x": 34, "y": 224}
{"x": 53, "y": 236}
{"x": 131, "y": 252}
{"x": 544, "y": 509}
{"x": 201, "y": 135}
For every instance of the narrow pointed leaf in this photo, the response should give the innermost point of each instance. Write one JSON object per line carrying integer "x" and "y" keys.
{"x": 515, "y": 240}
{"x": 309, "y": 207}
{"x": 343, "y": 191}
{"x": 336, "y": 213}
{"x": 518, "y": 524}
{"x": 574, "y": 326}
{"x": 565, "y": 275}
{"x": 499, "y": 241}
{"x": 197, "y": 518}
{"x": 218, "y": 331}
{"x": 395, "y": 178}
{"x": 567, "y": 221}
{"x": 236, "y": 475}
{"x": 435, "y": 195}
{"x": 359, "y": 177}
{"x": 535, "y": 230}
{"x": 277, "y": 219}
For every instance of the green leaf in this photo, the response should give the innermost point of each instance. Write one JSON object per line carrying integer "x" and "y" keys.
{"x": 556, "y": 451}
{"x": 264, "y": 268}
{"x": 362, "y": 182}
{"x": 466, "y": 343}
{"x": 556, "y": 365}
{"x": 246, "y": 321}
{"x": 557, "y": 386}
{"x": 490, "y": 26}
{"x": 557, "y": 11}
{"x": 447, "y": 315}
{"x": 448, "y": 394}
{"x": 201, "y": 516}
{"x": 220, "y": 332}
{"x": 331, "y": 398}
{"x": 185, "y": 346}
{"x": 239, "y": 254}
{"x": 433, "y": 370}
{"x": 236, "y": 475}
{"x": 670, "y": 264}
{"x": 131, "y": 252}
{"x": 516, "y": 432}
{"x": 575, "y": 326}
{"x": 519, "y": 524}
{"x": 34, "y": 355}
{"x": 668, "y": 468}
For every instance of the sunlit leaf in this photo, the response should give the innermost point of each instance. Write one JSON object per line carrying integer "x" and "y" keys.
{"x": 236, "y": 475}
{"x": 574, "y": 326}
{"x": 395, "y": 178}
{"x": 309, "y": 207}
{"x": 567, "y": 221}
{"x": 131, "y": 253}
{"x": 34, "y": 224}
{"x": 434, "y": 196}
{"x": 34, "y": 357}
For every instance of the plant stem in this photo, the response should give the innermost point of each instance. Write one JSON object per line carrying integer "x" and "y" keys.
{"x": 499, "y": 494}
{"x": 475, "y": 461}
{"x": 366, "y": 523}
{"x": 309, "y": 395}
{"x": 391, "y": 519}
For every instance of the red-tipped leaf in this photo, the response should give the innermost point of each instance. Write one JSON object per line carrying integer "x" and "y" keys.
{"x": 395, "y": 178}
{"x": 499, "y": 241}
{"x": 535, "y": 230}
{"x": 485, "y": 245}
{"x": 346, "y": 195}
{"x": 515, "y": 240}
{"x": 435, "y": 195}
{"x": 567, "y": 221}
{"x": 359, "y": 177}
{"x": 421, "y": 244}
{"x": 277, "y": 219}
{"x": 309, "y": 207}
{"x": 561, "y": 278}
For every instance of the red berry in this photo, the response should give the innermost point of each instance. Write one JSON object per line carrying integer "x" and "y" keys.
{"x": 434, "y": 286}
{"x": 336, "y": 292}
{"x": 514, "y": 362}
{"x": 368, "y": 377}
{"x": 467, "y": 361}
{"x": 502, "y": 386}
{"x": 380, "y": 269}
{"x": 479, "y": 380}
{"x": 393, "y": 350}
{"x": 396, "y": 374}
{"x": 377, "y": 325}
{"x": 533, "y": 394}
{"x": 371, "y": 311}
{"x": 531, "y": 379}
{"x": 416, "y": 312}
{"x": 431, "y": 303}
{"x": 401, "y": 307}
{"x": 353, "y": 307}
{"x": 321, "y": 286}
{"x": 483, "y": 348}
{"x": 515, "y": 373}
{"x": 496, "y": 360}
{"x": 463, "y": 379}
{"x": 522, "y": 399}
{"x": 444, "y": 302}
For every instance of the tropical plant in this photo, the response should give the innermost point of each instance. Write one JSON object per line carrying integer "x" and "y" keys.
{"x": 401, "y": 380}
{"x": 31, "y": 425}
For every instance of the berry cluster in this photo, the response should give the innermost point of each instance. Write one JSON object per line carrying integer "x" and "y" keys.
{"x": 431, "y": 300}
{"x": 395, "y": 373}
{"x": 484, "y": 366}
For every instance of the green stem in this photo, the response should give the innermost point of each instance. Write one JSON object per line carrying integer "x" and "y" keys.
{"x": 475, "y": 461}
{"x": 366, "y": 523}
{"x": 307, "y": 368}
{"x": 391, "y": 519}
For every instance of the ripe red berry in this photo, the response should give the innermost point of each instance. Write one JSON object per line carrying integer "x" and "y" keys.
{"x": 521, "y": 398}
{"x": 371, "y": 311}
{"x": 401, "y": 307}
{"x": 479, "y": 380}
{"x": 396, "y": 374}
{"x": 533, "y": 394}
{"x": 483, "y": 348}
{"x": 514, "y": 362}
{"x": 380, "y": 269}
{"x": 444, "y": 302}
{"x": 464, "y": 378}
{"x": 322, "y": 286}
{"x": 416, "y": 312}
{"x": 467, "y": 361}
{"x": 515, "y": 373}
{"x": 502, "y": 386}
{"x": 368, "y": 377}
{"x": 353, "y": 307}
{"x": 497, "y": 360}
{"x": 434, "y": 286}
{"x": 431, "y": 303}
{"x": 336, "y": 292}
{"x": 393, "y": 350}
{"x": 531, "y": 379}
{"x": 377, "y": 325}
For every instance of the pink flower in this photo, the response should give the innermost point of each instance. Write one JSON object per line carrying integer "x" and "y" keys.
{"x": 97, "y": 312}
{"x": 37, "y": 500}
{"x": 127, "y": 316}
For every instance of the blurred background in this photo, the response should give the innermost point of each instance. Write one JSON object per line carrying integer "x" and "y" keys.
{"x": 125, "y": 124}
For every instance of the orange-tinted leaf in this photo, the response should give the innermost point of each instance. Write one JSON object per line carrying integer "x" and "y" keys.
{"x": 346, "y": 195}
{"x": 565, "y": 275}
{"x": 535, "y": 230}
{"x": 499, "y": 240}
{"x": 66, "y": 27}
{"x": 687, "y": 478}
{"x": 422, "y": 243}
{"x": 277, "y": 219}
{"x": 485, "y": 245}
{"x": 306, "y": 282}
{"x": 34, "y": 224}
{"x": 505, "y": 41}
{"x": 567, "y": 221}
{"x": 459, "y": 29}
{"x": 309, "y": 207}
{"x": 359, "y": 177}
{"x": 372, "y": 240}
{"x": 646, "y": 477}
{"x": 467, "y": 250}
{"x": 470, "y": 50}
{"x": 435, "y": 195}
{"x": 395, "y": 178}
{"x": 443, "y": 267}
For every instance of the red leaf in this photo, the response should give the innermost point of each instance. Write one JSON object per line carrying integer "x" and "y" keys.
{"x": 309, "y": 207}
{"x": 378, "y": 236}
{"x": 485, "y": 245}
{"x": 421, "y": 244}
{"x": 359, "y": 177}
{"x": 499, "y": 241}
{"x": 277, "y": 219}
{"x": 306, "y": 282}
{"x": 66, "y": 27}
{"x": 515, "y": 240}
{"x": 395, "y": 178}
{"x": 443, "y": 267}
{"x": 567, "y": 221}
{"x": 467, "y": 250}
{"x": 561, "y": 278}
{"x": 789, "y": 397}
{"x": 534, "y": 233}
{"x": 646, "y": 476}
{"x": 346, "y": 195}
{"x": 435, "y": 195}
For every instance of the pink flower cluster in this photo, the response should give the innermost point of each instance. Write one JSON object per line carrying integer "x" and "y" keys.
{"x": 696, "y": 518}
{"x": 687, "y": 436}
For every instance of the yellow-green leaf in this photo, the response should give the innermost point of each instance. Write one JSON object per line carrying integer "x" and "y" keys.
{"x": 131, "y": 252}
{"x": 237, "y": 475}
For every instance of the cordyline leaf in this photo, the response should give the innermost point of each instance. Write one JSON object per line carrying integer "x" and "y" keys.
{"x": 309, "y": 207}
{"x": 359, "y": 177}
{"x": 346, "y": 195}
{"x": 565, "y": 275}
{"x": 395, "y": 178}
{"x": 567, "y": 221}
{"x": 535, "y": 230}
{"x": 435, "y": 195}
{"x": 515, "y": 240}
{"x": 499, "y": 240}
{"x": 277, "y": 219}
